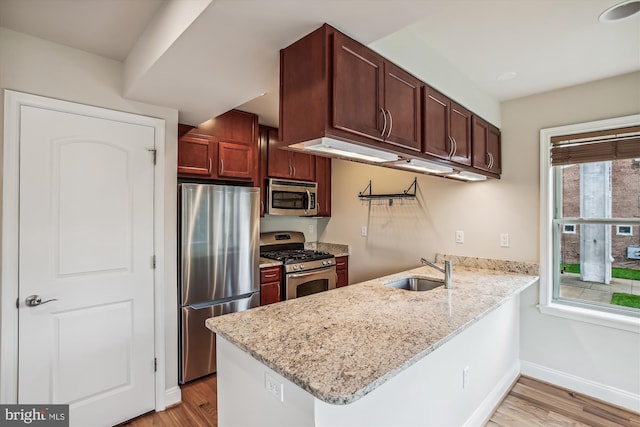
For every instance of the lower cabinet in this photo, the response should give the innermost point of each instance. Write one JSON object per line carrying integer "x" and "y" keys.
{"x": 342, "y": 270}
{"x": 270, "y": 282}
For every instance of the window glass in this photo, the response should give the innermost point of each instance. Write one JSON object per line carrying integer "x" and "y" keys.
{"x": 598, "y": 255}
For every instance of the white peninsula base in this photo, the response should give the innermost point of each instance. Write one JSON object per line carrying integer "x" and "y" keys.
{"x": 434, "y": 391}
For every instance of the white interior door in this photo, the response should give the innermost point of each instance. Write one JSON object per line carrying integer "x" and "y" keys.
{"x": 86, "y": 245}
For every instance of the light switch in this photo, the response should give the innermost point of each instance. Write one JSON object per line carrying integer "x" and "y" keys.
{"x": 459, "y": 236}
{"x": 504, "y": 240}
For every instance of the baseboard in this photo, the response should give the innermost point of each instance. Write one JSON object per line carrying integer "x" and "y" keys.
{"x": 612, "y": 395}
{"x": 172, "y": 396}
{"x": 483, "y": 412}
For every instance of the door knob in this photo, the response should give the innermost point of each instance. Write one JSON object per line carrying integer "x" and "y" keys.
{"x": 35, "y": 300}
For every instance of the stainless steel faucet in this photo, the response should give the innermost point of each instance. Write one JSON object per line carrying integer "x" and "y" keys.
{"x": 446, "y": 270}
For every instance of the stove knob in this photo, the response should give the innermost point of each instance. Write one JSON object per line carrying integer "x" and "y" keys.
{"x": 325, "y": 262}
{"x": 295, "y": 267}
{"x": 301, "y": 266}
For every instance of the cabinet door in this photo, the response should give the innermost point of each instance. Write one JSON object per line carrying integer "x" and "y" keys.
{"x": 402, "y": 104}
{"x": 278, "y": 160}
{"x": 269, "y": 293}
{"x": 270, "y": 279}
{"x": 342, "y": 270}
{"x": 357, "y": 88}
{"x": 460, "y": 132}
{"x": 436, "y": 124}
{"x": 303, "y": 166}
{"x": 323, "y": 178}
{"x": 495, "y": 149}
{"x": 486, "y": 146}
{"x": 480, "y": 136}
{"x": 195, "y": 156}
{"x": 235, "y": 160}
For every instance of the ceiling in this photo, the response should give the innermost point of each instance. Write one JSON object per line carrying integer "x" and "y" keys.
{"x": 204, "y": 57}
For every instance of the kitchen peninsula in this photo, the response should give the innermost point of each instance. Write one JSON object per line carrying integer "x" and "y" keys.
{"x": 368, "y": 354}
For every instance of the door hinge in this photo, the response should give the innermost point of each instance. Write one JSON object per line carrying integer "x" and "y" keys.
{"x": 153, "y": 262}
{"x": 155, "y": 364}
{"x": 17, "y": 302}
{"x": 154, "y": 153}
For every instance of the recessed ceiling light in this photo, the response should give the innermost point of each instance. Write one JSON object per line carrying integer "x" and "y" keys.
{"x": 620, "y": 11}
{"x": 507, "y": 76}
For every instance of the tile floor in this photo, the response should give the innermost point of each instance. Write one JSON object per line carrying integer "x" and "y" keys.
{"x": 572, "y": 287}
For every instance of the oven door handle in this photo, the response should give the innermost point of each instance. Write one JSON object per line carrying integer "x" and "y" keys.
{"x": 310, "y": 273}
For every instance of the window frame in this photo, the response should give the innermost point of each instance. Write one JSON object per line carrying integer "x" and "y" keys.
{"x": 619, "y": 233}
{"x": 548, "y": 257}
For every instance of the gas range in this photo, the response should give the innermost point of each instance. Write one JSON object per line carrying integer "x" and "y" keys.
{"x": 306, "y": 271}
{"x": 288, "y": 248}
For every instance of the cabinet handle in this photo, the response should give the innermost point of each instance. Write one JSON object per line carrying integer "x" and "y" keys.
{"x": 340, "y": 264}
{"x": 290, "y": 168}
{"x": 450, "y": 153}
{"x": 294, "y": 171}
{"x": 221, "y": 166}
{"x": 490, "y": 160}
{"x": 390, "y": 123}
{"x": 455, "y": 146}
{"x": 384, "y": 126}
{"x": 268, "y": 276}
{"x": 210, "y": 165}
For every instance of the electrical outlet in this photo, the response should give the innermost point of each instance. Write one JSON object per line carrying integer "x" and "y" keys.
{"x": 311, "y": 228}
{"x": 504, "y": 240}
{"x": 363, "y": 231}
{"x": 465, "y": 377}
{"x": 459, "y": 236}
{"x": 274, "y": 387}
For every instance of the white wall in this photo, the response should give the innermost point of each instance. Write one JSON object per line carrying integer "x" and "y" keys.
{"x": 400, "y": 235}
{"x": 36, "y": 66}
{"x": 584, "y": 356}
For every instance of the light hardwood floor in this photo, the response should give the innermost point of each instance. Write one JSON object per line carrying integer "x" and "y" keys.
{"x": 199, "y": 408}
{"x": 529, "y": 403}
{"x": 534, "y": 403}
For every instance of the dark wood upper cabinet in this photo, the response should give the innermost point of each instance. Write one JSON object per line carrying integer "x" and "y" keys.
{"x": 332, "y": 86}
{"x": 282, "y": 163}
{"x": 486, "y": 146}
{"x": 358, "y": 82}
{"x": 323, "y": 178}
{"x": 436, "y": 123}
{"x": 374, "y": 97}
{"x": 223, "y": 148}
{"x": 235, "y": 160}
{"x": 447, "y": 128}
{"x": 460, "y": 132}
{"x": 402, "y": 104}
{"x": 195, "y": 156}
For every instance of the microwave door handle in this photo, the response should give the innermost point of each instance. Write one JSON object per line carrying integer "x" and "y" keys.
{"x": 308, "y": 201}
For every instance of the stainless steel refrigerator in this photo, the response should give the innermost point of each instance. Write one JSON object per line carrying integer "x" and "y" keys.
{"x": 219, "y": 265}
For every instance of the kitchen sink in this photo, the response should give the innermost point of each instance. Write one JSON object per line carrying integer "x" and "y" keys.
{"x": 415, "y": 284}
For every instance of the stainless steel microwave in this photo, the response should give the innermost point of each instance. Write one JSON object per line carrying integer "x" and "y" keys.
{"x": 295, "y": 198}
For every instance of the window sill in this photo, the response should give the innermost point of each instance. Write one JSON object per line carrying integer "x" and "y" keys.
{"x": 596, "y": 317}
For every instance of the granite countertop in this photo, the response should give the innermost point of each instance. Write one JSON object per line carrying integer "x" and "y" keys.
{"x": 336, "y": 249}
{"x": 266, "y": 262}
{"x": 342, "y": 344}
